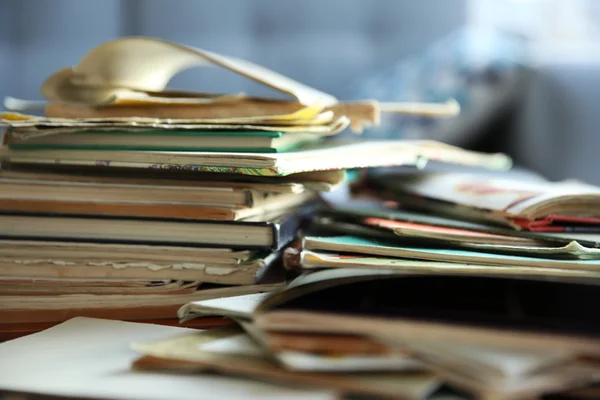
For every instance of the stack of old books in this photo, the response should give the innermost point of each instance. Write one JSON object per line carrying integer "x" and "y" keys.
{"x": 127, "y": 201}
{"x": 421, "y": 283}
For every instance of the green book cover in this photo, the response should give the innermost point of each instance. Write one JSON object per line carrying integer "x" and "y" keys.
{"x": 235, "y": 135}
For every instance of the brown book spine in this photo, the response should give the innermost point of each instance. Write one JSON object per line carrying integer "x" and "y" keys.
{"x": 10, "y": 331}
{"x": 121, "y": 313}
{"x": 118, "y": 209}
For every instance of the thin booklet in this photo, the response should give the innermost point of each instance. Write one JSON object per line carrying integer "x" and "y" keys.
{"x": 332, "y": 156}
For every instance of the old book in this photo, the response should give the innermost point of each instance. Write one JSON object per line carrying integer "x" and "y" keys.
{"x": 331, "y": 119}
{"x": 483, "y": 241}
{"x": 25, "y": 286}
{"x": 332, "y": 294}
{"x": 143, "y": 200}
{"x": 244, "y": 113}
{"x": 312, "y": 260}
{"x": 245, "y": 306}
{"x": 18, "y": 309}
{"x": 179, "y": 179}
{"x": 241, "y": 308}
{"x": 351, "y": 244}
{"x": 262, "y": 232}
{"x": 165, "y": 140}
{"x": 459, "y": 309}
{"x": 306, "y": 120}
{"x": 501, "y": 361}
{"x": 334, "y": 155}
{"x": 65, "y": 250}
{"x": 64, "y": 187}
{"x": 495, "y": 360}
{"x": 85, "y": 262}
{"x": 425, "y": 235}
{"x": 347, "y": 219}
{"x": 535, "y": 206}
{"x": 447, "y": 234}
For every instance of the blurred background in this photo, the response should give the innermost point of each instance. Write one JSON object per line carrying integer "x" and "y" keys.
{"x": 525, "y": 71}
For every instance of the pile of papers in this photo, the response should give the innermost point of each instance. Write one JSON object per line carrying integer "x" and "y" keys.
{"x": 127, "y": 200}
{"x": 394, "y": 294}
{"x": 316, "y": 262}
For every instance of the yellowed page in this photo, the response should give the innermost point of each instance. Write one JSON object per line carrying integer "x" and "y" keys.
{"x": 307, "y": 115}
{"x": 145, "y": 64}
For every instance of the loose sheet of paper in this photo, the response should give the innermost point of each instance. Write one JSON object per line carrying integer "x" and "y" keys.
{"x": 87, "y": 357}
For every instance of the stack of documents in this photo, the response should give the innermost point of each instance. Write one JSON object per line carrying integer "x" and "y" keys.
{"x": 127, "y": 200}
{"x": 395, "y": 291}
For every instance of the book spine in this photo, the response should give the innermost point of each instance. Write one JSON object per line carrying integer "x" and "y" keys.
{"x": 14, "y": 159}
{"x": 284, "y": 232}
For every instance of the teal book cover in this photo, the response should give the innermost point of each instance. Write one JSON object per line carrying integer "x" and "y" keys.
{"x": 237, "y": 136}
{"x": 353, "y": 244}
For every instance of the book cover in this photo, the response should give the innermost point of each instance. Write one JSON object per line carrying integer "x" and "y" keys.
{"x": 351, "y": 244}
{"x": 265, "y": 232}
{"x": 334, "y": 155}
{"x": 255, "y": 141}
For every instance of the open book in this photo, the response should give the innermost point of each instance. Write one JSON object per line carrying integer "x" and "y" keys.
{"x": 534, "y": 206}
{"x": 496, "y": 338}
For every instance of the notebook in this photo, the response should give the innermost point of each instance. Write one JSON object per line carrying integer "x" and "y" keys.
{"x": 157, "y": 140}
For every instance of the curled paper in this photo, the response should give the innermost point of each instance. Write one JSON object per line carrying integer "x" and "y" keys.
{"x": 119, "y": 68}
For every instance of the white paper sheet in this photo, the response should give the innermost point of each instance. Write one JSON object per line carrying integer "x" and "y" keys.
{"x": 86, "y": 357}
